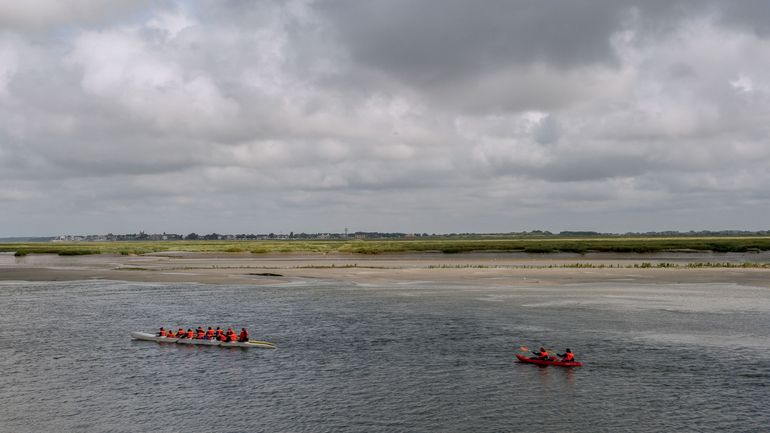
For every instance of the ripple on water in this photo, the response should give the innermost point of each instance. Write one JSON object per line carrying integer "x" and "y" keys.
{"x": 377, "y": 359}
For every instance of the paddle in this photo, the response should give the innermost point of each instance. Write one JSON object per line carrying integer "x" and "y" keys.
{"x": 549, "y": 351}
{"x": 262, "y": 342}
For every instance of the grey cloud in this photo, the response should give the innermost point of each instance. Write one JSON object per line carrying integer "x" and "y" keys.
{"x": 44, "y": 14}
{"x": 427, "y": 41}
{"x": 414, "y": 116}
{"x": 547, "y": 131}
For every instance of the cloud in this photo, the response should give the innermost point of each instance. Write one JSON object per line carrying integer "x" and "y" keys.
{"x": 41, "y": 14}
{"x": 311, "y": 115}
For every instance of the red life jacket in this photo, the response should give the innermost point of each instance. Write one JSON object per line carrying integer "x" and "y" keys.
{"x": 244, "y": 336}
{"x": 200, "y": 334}
{"x": 170, "y": 334}
{"x": 189, "y": 334}
{"x": 542, "y": 354}
{"x": 568, "y": 357}
{"x": 180, "y": 333}
{"x": 210, "y": 333}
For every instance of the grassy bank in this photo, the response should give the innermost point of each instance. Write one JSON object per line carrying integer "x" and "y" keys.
{"x": 529, "y": 245}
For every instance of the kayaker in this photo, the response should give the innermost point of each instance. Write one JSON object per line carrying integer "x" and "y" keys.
{"x": 229, "y": 335}
{"x": 161, "y": 332}
{"x": 541, "y": 354}
{"x": 567, "y": 356}
{"x": 169, "y": 334}
{"x": 190, "y": 334}
{"x": 243, "y": 337}
{"x": 220, "y": 334}
{"x": 200, "y": 333}
{"x": 209, "y": 334}
{"x": 180, "y": 333}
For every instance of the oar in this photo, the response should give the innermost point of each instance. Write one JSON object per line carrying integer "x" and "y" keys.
{"x": 262, "y": 342}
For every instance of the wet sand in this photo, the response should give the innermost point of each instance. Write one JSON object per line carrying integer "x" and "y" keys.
{"x": 478, "y": 269}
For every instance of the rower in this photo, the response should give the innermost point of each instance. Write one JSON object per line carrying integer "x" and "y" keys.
{"x": 220, "y": 335}
{"x": 161, "y": 332}
{"x": 209, "y": 334}
{"x": 243, "y": 337}
{"x": 180, "y": 333}
{"x": 541, "y": 354}
{"x": 200, "y": 333}
{"x": 169, "y": 334}
{"x": 567, "y": 356}
{"x": 190, "y": 334}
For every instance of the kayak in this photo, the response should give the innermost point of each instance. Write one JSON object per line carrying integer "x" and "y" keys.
{"x": 192, "y": 341}
{"x": 551, "y": 361}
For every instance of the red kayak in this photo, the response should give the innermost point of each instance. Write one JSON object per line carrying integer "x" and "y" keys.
{"x": 551, "y": 361}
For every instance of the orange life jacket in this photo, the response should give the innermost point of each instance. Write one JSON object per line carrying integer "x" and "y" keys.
{"x": 170, "y": 334}
{"x": 244, "y": 336}
{"x": 210, "y": 333}
{"x": 180, "y": 333}
{"x": 200, "y": 334}
{"x": 542, "y": 354}
{"x": 189, "y": 334}
{"x": 568, "y": 357}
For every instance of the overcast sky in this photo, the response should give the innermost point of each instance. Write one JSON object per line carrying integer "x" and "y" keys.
{"x": 400, "y": 115}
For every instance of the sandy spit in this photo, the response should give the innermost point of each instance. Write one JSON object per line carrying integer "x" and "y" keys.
{"x": 482, "y": 269}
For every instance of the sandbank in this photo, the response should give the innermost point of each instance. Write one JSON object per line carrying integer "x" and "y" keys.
{"x": 468, "y": 269}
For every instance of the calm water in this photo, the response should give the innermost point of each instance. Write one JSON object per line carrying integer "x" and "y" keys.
{"x": 408, "y": 357}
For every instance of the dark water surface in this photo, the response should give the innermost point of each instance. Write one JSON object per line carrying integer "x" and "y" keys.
{"x": 409, "y": 357}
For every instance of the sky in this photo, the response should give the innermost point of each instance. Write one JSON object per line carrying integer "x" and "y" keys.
{"x": 435, "y": 116}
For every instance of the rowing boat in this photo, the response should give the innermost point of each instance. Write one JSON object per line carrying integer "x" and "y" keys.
{"x": 193, "y": 341}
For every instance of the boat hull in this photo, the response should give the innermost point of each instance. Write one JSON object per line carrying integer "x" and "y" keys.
{"x": 151, "y": 337}
{"x": 261, "y": 345}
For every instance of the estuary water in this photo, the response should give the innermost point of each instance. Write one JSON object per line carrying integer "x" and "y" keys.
{"x": 405, "y": 357}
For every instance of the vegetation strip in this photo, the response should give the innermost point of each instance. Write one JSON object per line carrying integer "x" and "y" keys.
{"x": 555, "y": 244}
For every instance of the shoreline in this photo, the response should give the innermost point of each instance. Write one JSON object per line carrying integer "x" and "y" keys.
{"x": 479, "y": 269}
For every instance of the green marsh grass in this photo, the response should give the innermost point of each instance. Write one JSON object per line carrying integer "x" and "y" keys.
{"x": 533, "y": 245}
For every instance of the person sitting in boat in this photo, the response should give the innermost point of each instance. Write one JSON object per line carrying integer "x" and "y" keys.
{"x": 190, "y": 334}
{"x": 209, "y": 334}
{"x": 200, "y": 333}
{"x": 243, "y": 337}
{"x": 180, "y": 333}
{"x": 170, "y": 334}
{"x": 567, "y": 356}
{"x": 161, "y": 332}
{"x": 229, "y": 335}
{"x": 541, "y": 354}
{"x": 220, "y": 335}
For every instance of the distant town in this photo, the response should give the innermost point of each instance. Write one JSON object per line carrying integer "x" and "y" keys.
{"x": 360, "y": 235}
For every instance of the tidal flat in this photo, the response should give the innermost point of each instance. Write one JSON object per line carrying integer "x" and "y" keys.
{"x": 492, "y": 269}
